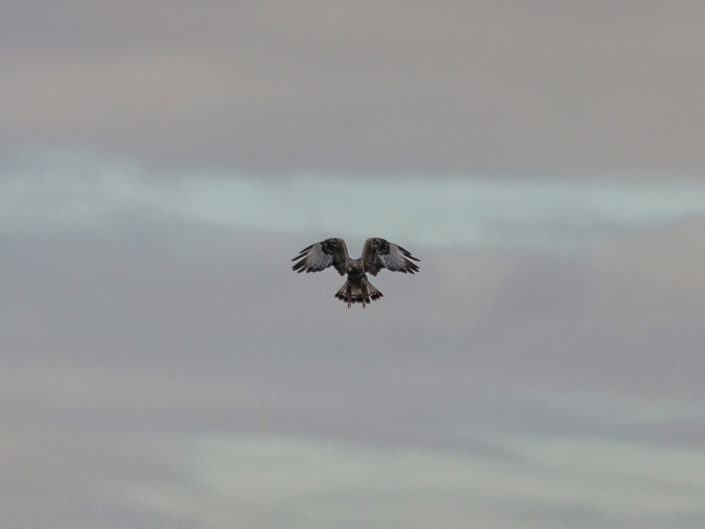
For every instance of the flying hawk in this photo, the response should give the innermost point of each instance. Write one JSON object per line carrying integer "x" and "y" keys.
{"x": 376, "y": 255}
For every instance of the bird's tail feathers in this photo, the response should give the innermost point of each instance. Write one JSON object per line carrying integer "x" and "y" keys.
{"x": 363, "y": 292}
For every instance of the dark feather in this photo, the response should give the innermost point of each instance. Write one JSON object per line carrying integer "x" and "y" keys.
{"x": 319, "y": 256}
{"x": 379, "y": 253}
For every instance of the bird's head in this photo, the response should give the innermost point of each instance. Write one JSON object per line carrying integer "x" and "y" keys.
{"x": 350, "y": 268}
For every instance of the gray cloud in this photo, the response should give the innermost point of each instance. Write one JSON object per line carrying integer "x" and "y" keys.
{"x": 126, "y": 348}
{"x": 161, "y": 364}
{"x": 491, "y": 88}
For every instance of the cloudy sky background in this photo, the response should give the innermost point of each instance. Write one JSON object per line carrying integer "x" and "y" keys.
{"x": 161, "y": 366}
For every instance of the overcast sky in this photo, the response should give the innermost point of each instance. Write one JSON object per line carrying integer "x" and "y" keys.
{"x": 161, "y": 365}
{"x": 508, "y": 88}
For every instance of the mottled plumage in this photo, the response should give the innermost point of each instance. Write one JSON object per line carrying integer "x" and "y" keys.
{"x": 376, "y": 255}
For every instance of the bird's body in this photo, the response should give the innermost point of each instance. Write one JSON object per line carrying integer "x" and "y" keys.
{"x": 376, "y": 255}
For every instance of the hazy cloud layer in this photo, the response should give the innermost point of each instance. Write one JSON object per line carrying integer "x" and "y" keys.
{"x": 163, "y": 371}
{"x": 161, "y": 366}
{"x": 76, "y": 192}
{"x": 470, "y": 87}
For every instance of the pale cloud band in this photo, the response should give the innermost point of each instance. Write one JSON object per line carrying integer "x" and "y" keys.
{"x": 77, "y": 192}
{"x": 530, "y": 479}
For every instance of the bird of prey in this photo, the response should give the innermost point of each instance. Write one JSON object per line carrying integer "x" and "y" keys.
{"x": 376, "y": 255}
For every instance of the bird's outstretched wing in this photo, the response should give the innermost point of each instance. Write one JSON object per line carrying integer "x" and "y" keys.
{"x": 321, "y": 255}
{"x": 379, "y": 253}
